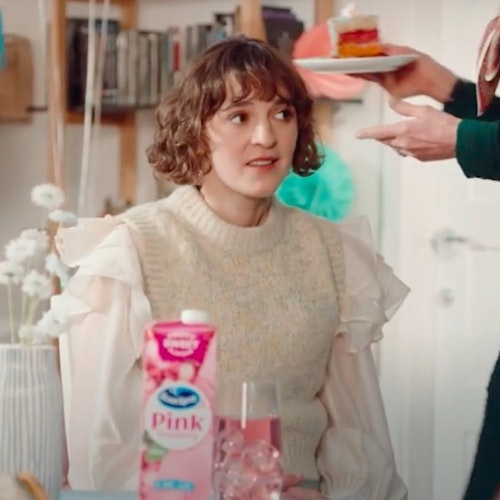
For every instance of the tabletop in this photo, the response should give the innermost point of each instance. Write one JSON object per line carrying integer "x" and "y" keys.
{"x": 95, "y": 495}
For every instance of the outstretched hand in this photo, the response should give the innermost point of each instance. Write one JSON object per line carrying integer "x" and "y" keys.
{"x": 424, "y": 76}
{"x": 428, "y": 135}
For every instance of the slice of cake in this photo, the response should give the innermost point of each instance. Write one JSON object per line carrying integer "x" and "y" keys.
{"x": 354, "y": 35}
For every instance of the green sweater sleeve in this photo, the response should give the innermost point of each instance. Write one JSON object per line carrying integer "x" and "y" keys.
{"x": 478, "y": 137}
{"x": 462, "y": 103}
{"x": 478, "y": 148}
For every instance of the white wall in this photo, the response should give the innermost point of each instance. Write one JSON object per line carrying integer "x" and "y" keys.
{"x": 412, "y": 211}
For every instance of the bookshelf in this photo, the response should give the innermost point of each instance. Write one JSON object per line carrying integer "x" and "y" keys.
{"x": 250, "y": 23}
{"x": 57, "y": 99}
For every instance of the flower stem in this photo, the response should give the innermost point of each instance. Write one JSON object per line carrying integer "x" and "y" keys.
{"x": 31, "y": 311}
{"x": 11, "y": 312}
{"x": 33, "y": 304}
{"x": 23, "y": 307}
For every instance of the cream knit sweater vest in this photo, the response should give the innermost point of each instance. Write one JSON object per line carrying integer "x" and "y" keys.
{"x": 273, "y": 292}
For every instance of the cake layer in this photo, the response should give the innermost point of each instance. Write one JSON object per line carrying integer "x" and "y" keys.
{"x": 355, "y": 35}
{"x": 359, "y": 50}
{"x": 359, "y": 36}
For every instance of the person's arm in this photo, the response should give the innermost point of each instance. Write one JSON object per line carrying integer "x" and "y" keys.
{"x": 478, "y": 148}
{"x": 463, "y": 104}
{"x": 104, "y": 409}
{"x": 107, "y": 311}
{"x": 355, "y": 458}
{"x": 436, "y": 135}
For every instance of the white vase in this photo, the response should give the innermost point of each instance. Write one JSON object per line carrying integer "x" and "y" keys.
{"x": 31, "y": 414}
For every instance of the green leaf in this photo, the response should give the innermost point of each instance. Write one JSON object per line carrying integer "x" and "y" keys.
{"x": 155, "y": 452}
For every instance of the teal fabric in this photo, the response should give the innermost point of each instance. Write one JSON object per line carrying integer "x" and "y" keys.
{"x": 328, "y": 192}
{"x": 3, "y": 57}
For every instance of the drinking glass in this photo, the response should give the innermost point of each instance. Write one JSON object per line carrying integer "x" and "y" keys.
{"x": 247, "y": 455}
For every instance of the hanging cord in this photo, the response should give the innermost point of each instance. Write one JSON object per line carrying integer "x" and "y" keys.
{"x": 54, "y": 79}
{"x": 88, "y": 109}
{"x": 93, "y": 97}
{"x": 101, "y": 65}
{"x": 42, "y": 23}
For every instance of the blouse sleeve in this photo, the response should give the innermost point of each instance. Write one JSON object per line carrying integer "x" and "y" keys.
{"x": 355, "y": 457}
{"x": 107, "y": 311}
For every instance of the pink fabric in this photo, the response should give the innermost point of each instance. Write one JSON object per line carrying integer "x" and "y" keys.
{"x": 315, "y": 42}
{"x": 488, "y": 65}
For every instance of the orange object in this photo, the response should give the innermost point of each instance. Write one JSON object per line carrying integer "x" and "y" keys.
{"x": 30, "y": 484}
{"x": 353, "y": 49}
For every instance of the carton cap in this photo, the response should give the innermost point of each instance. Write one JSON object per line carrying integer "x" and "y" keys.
{"x": 194, "y": 316}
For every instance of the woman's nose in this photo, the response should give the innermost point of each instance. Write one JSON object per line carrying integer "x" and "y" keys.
{"x": 264, "y": 134}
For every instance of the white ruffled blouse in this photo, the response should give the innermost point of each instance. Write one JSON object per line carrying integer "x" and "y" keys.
{"x": 106, "y": 294}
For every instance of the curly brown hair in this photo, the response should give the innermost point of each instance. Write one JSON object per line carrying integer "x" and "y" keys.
{"x": 180, "y": 149}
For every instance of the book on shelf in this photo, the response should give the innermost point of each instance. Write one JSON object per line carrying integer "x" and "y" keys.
{"x": 77, "y": 34}
{"x": 139, "y": 65}
{"x": 282, "y": 28}
{"x": 199, "y": 37}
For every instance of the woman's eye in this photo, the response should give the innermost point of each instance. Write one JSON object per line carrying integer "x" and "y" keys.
{"x": 284, "y": 114}
{"x": 238, "y": 118}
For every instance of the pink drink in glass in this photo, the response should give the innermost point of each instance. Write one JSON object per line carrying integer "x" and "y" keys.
{"x": 266, "y": 429}
{"x": 248, "y": 442}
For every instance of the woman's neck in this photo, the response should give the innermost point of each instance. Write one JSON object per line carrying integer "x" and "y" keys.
{"x": 237, "y": 209}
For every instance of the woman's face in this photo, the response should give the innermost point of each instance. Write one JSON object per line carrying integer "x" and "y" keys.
{"x": 252, "y": 143}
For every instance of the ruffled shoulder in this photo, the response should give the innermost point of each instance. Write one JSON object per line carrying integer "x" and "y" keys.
{"x": 373, "y": 293}
{"x": 101, "y": 247}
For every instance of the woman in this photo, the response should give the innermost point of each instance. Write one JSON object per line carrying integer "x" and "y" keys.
{"x": 295, "y": 297}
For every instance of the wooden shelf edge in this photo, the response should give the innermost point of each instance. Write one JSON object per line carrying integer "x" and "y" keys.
{"x": 76, "y": 118}
{"x": 124, "y": 3}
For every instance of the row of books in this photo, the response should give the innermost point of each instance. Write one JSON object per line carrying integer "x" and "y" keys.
{"x": 140, "y": 67}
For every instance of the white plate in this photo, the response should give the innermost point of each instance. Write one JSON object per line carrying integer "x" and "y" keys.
{"x": 380, "y": 64}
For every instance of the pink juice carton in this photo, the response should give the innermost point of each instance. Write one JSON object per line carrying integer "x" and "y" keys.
{"x": 179, "y": 365}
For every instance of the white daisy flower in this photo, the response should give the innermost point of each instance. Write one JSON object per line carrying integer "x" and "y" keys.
{"x": 47, "y": 196}
{"x": 55, "y": 267}
{"x": 39, "y": 236}
{"x": 50, "y": 325}
{"x": 21, "y": 249}
{"x": 63, "y": 217}
{"x": 37, "y": 285}
{"x": 10, "y": 272}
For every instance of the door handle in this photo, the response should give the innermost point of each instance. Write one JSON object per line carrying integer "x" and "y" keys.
{"x": 446, "y": 244}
